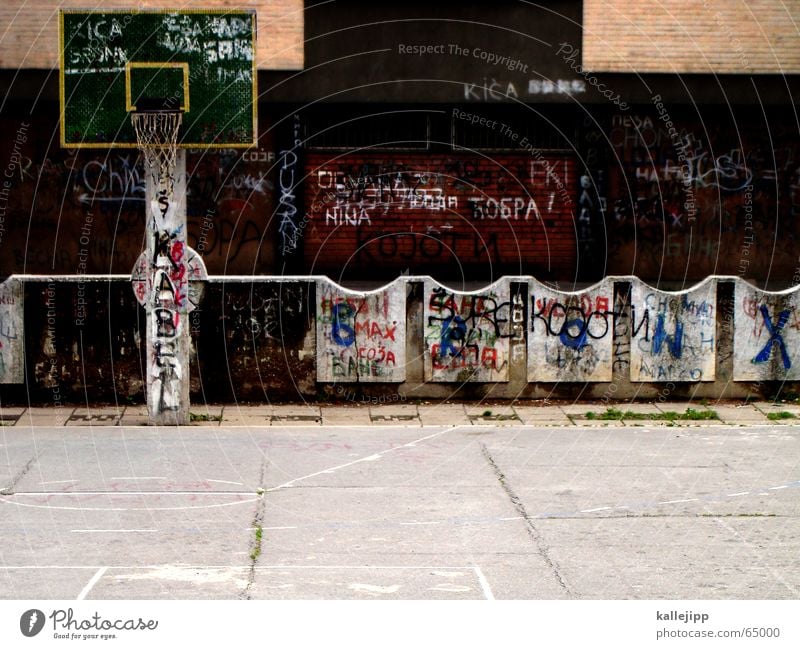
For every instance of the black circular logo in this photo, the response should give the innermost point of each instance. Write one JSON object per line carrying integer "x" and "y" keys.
{"x": 31, "y": 622}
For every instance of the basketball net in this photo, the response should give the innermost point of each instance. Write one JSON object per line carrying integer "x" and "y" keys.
{"x": 157, "y": 135}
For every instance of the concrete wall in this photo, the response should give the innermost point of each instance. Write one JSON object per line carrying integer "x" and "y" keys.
{"x": 630, "y": 201}
{"x": 82, "y": 211}
{"x": 279, "y": 339}
{"x": 673, "y": 196}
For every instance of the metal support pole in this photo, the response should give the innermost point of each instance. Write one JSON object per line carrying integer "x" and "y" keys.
{"x": 167, "y": 296}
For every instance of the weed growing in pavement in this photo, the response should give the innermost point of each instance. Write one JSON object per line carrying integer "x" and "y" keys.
{"x": 699, "y": 414}
{"x": 257, "y": 547}
{"x": 195, "y": 416}
{"x": 614, "y": 414}
{"x": 783, "y": 414}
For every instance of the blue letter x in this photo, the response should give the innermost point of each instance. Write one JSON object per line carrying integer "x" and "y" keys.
{"x": 775, "y": 335}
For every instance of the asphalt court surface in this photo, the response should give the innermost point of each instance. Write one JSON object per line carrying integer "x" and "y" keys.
{"x": 396, "y": 512}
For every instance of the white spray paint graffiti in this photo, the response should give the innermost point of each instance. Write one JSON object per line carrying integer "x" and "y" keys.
{"x": 287, "y": 202}
{"x": 165, "y": 293}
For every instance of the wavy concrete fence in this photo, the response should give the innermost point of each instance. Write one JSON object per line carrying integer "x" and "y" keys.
{"x": 277, "y": 338}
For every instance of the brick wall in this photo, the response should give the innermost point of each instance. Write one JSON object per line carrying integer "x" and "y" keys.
{"x": 720, "y": 36}
{"x": 54, "y": 194}
{"x": 30, "y": 38}
{"x": 722, "y": 198}
{"x": 384, "y": 213}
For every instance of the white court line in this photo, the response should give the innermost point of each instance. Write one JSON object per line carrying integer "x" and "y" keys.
{"x": 240, "y": 484}
{"x": 128, "y": 509}
{"x": 422, "y": 523}
{"x": 131, "y": 493}
{"x": 781, "y": 487}
{"x": 511, "y": 518}
{"x": 368, "y": 458}
{"x": 109, "y": 531}
{"x": 597, "y": 509}
{"x": 91, "y": 583}
{"x": 741, "y": 493}
{"x": 487, "y": 591}
{"x": 139, "y": 478}
{"x": 243, "y": 567}
{"x": 674, "y": 502}
{"x": 57, "y": 481}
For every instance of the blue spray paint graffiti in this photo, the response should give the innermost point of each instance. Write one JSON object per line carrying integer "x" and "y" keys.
{"x": 341, "y": 332}
{"x": 775, "y": 336}
{"x": 454, "y": 333}
{"x": 660, "y": 336}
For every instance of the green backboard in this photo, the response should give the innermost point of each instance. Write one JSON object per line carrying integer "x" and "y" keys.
{"x": 199, "y": 61}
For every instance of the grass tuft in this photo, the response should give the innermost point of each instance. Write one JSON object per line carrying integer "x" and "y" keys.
{"x": 614, "y": 414}
{"x": 202, "y": 416}
{"x": 783, "y": 414}
{"x": 257, "y": 547}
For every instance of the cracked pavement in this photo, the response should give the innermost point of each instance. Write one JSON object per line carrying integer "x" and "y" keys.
{"x": 396, "y": 512}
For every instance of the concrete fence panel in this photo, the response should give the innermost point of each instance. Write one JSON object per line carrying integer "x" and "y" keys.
{"x": 361, "y": 336}
{"x": 673, "y": 335}
{"x": 570, "y": 336}
{"x": 467, "y": 333}
{"x": 767, "y": 334}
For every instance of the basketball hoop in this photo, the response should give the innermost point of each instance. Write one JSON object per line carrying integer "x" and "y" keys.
{"x": 157, "y": 135}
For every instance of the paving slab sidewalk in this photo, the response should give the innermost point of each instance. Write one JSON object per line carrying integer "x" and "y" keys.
{"x": 542, "y": 416}
{"x": 411, "y": 414}
{"x": 443, "y": 414}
